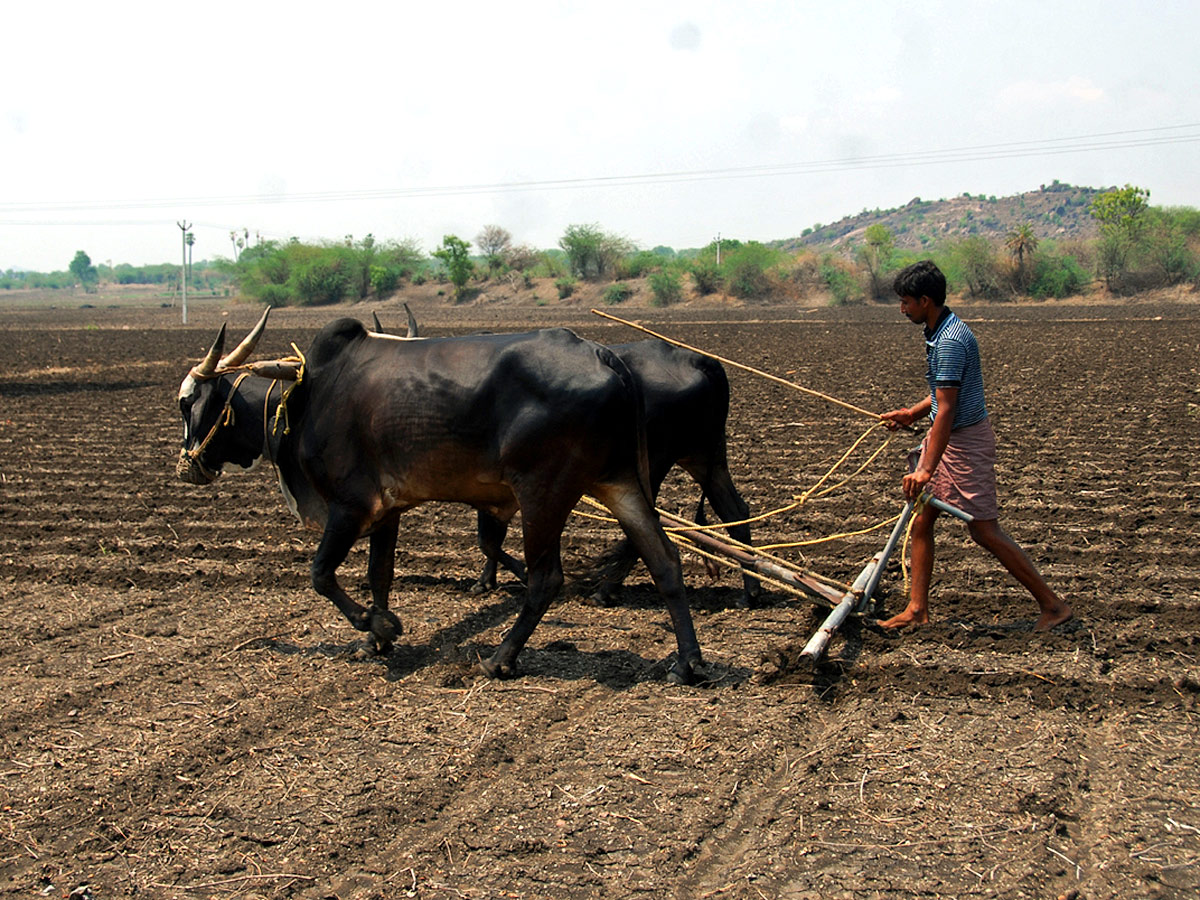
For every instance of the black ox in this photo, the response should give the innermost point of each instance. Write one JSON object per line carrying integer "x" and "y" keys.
{"x": 686, "y": 399}
{"x": 373, "y": 425}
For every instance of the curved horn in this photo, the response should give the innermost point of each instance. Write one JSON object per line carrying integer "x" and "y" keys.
{"x": 207, "y": 367}
{"x": 246, "y": 347}
{"x": 413, "y": 331}
{"x": 378, "y": 327}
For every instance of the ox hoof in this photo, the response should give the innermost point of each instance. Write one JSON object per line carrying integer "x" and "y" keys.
{"x": 493, "y": 669}
{"x": 385, "y": 628}
{"x": 685, "y": 672}
{"x": 481, "y": 587}
{"x": 601, "y": 599}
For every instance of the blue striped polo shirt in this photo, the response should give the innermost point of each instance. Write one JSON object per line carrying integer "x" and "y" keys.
{"x": 953, "y": 358}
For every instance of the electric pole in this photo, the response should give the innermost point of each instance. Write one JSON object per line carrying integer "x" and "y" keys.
{"x": 718, "y": 248}
{"x": 183, "y": 227}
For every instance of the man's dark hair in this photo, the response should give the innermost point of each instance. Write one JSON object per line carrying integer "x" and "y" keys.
{"x": 922, "y": 279}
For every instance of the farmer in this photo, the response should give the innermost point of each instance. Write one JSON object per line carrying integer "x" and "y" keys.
{"x": 958, "y": 453}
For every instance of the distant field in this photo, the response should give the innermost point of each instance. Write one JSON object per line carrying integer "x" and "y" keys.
{"x": 130, "y": 295}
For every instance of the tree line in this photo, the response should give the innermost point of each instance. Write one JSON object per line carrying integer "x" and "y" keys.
{"x": 1138, "y": 247}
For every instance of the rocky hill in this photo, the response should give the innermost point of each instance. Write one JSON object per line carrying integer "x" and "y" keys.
{"x": 1057, "y": 211}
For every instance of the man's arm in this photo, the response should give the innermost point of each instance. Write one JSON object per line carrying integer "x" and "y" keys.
{"x": 902, "y": 418}
{"x": 935, "y": 443}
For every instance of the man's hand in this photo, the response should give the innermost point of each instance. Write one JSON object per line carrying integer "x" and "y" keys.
{"x": 915, "y": 482}
{"x": 898, "y": 418}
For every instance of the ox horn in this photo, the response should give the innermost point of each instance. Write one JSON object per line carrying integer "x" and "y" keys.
{"x": 378, "y": 327}
{"x": 413, "y": 331}
{"x": 243, "y": 350}
{"x": 207, "y": 367}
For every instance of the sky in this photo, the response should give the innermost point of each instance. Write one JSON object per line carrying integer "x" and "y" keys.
{"x": 668, "y": 123}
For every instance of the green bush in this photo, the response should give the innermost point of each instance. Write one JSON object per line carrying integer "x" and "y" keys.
{"x": 707, "y": 277}
{"x": 639, "y": 264}
{"x": 1056, "y": 276}
{"x": 319, "y": 282}
{"x": 617, "y": 292}
{"x": 840, "y": 278}
{"x": 666, "y": 287}
{"x": 972, "y": 264}
{"x": 385, "y": 279}
{"x": 565, "y": 287}
{"x": 746, "y": 270}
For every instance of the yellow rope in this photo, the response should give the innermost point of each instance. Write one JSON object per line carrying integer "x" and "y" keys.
{"x": 281, "y": 410}
{"x": 921, "y": 501}
{"x": 833, "y": 537}
{"x": 738, "y": 365}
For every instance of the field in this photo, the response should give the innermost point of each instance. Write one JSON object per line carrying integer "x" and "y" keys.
{"x": 187, "y": 718}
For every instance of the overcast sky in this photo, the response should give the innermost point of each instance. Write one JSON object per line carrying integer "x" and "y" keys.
{"x": 665, "y": 122}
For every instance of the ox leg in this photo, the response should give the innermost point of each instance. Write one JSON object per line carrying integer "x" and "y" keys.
{"x": 619, "y": 560}
{"x": 381, "y": 569}
{"x": 639, "y": 522}
{"x": 543, "y": 556}
{"x": 492, "y": 532}
{"x": 730, "y": 507}
{"x": 616, "y": 564}
{"x": 341, "y": 531}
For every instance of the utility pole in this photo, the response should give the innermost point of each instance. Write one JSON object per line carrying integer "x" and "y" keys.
{"x": 190, "y": 239}
{"x": 718, "y": 248}
{"x": 184, "y": 227}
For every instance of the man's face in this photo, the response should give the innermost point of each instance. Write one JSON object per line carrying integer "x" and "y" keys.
{"x": 916, "y": 309}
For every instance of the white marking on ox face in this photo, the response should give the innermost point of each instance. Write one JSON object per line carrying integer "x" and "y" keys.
{"x": 187, "y": 393}
{"x": 187, "y": 390}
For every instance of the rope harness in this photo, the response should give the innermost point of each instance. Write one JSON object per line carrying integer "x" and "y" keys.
{"x": 226, "y": 416}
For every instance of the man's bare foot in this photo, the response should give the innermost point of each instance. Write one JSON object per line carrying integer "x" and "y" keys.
{"x": 1056, "y": 615}
{"x": 905, "y": 619}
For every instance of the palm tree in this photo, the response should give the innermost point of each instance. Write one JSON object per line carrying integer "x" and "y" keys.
{"x": 1021, "y": 241}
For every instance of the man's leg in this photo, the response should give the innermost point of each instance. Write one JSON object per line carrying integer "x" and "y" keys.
{"x": 989, "y": 535}
{"x": 921, "y": 542}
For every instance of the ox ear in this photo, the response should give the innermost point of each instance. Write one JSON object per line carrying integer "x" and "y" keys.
{"x": 413, "y": 331}
{"x": 207, "y": 367}
{"x": 243, "y": 350}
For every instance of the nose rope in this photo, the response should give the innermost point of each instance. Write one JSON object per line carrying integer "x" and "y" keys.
{"x": 225, "y": 418}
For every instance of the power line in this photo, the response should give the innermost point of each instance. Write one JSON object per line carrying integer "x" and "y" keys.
{"x": 1089, "y": 143}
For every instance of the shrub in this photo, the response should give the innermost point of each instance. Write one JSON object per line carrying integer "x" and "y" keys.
{"x": 746, "y": 270}
{"x": 617, "y": 292}
{"x": 384, "y": 279}
{"x": 806, "y": 273}
{"x": 565, "y": 286}
{"x": 841, "y": 279}
{"x": 972, "y": 263}
{"x": 319, "y": 282}
{"x": 666, "y": 287}
{"x": 707, "y": 277}
{"x": 1056, "y": 276}
{"x": 639, "y": 264}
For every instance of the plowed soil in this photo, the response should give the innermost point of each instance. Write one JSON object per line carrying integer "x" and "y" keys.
{"x": 184, "y": 717}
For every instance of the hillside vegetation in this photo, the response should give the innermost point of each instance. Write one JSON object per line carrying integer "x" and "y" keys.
{"x": 1055, "y": 212}
{"x": 1056, "y": 242}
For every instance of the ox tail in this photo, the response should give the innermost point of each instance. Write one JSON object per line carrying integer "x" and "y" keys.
{"x": 633, "y": 389}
